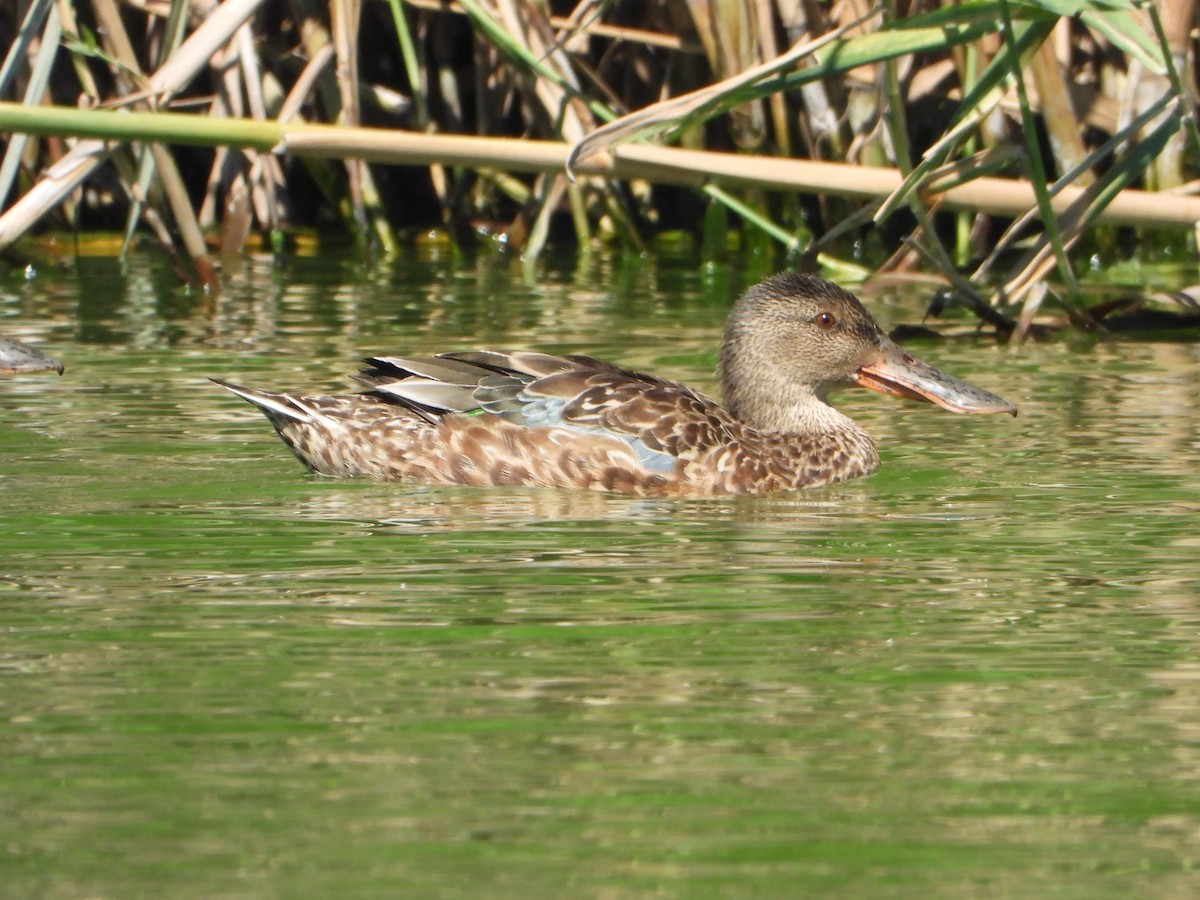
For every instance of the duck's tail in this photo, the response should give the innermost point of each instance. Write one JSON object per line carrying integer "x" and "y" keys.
{"x": 344, "y": 435}
{"x": 274, "y": 404}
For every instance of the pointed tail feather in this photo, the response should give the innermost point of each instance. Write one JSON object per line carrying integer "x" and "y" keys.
{"x": 273, "y": 403}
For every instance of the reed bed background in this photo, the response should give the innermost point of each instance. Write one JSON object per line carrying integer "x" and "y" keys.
{"x": 1001, "y": 145}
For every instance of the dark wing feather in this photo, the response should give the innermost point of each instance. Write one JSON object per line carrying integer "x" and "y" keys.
{"x": 430, "y": 386}
{"x": 434, "y": 368}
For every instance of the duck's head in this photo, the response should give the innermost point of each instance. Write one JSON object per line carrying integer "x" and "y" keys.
{"x": 793, "y": 338}
{"x": 18, "y": 357}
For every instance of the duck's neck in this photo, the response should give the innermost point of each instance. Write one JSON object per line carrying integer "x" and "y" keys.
{"x": 771, "y": 403}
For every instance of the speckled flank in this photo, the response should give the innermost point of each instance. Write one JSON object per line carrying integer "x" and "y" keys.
{"x": 492, "y": 417}
{"x": 362, "y": 436}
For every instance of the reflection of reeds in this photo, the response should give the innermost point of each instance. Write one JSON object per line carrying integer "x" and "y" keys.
{"x": 989, "y": 109}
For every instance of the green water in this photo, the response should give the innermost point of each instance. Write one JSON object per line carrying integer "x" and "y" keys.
{"x": 976, "y": 673}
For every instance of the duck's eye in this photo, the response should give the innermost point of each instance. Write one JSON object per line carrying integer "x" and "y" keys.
{"x": 825, "y": 320}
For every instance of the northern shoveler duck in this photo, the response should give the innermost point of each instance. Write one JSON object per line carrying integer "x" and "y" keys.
{"x": 492, "y": 417}
{"x": 18, "y": 357}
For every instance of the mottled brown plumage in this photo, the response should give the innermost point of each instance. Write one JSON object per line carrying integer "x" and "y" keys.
{"x": 491, "y": 417}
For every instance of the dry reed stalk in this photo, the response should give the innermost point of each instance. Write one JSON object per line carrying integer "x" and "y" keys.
{"x": 55, "y": 183}
{"x": 770, "y": 49}
{"x": 1176, "y": 18}
{"x": 364, "y": 196}
{"x": 663, "y": 165}
{"x": 527, "y": 26}
{"x": 588, "y": 26}
{"x": 669, "y": 113}
{"x": 1054, "y": 102}
{"x": 82, "y": 160}
{"x": 42, "y": 48}
{"x": 728, "y": 30}
{"x": 119, "y": 44}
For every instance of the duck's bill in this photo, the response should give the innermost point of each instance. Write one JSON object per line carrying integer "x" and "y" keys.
{"x": 18, "y": 357}
{"x": 901, "y": 375}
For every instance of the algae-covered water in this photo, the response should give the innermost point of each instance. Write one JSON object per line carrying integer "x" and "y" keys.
{"x": 976, "y": 673}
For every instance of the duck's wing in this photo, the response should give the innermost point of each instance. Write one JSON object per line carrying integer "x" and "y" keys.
{"x": 663, "y": 420}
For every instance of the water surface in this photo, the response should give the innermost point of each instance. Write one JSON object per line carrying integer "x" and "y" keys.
{"x": 974, "y": 673}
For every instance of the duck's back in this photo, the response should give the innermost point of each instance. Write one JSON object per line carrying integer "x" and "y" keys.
{"x": 506, "y": 418}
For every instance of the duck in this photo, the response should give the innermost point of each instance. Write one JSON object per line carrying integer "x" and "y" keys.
{"x": 18, "y": 357}
{"x": 523, "y": 418}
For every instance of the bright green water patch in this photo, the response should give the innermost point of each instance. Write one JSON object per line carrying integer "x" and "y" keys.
{"x": 973, "y": 674}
